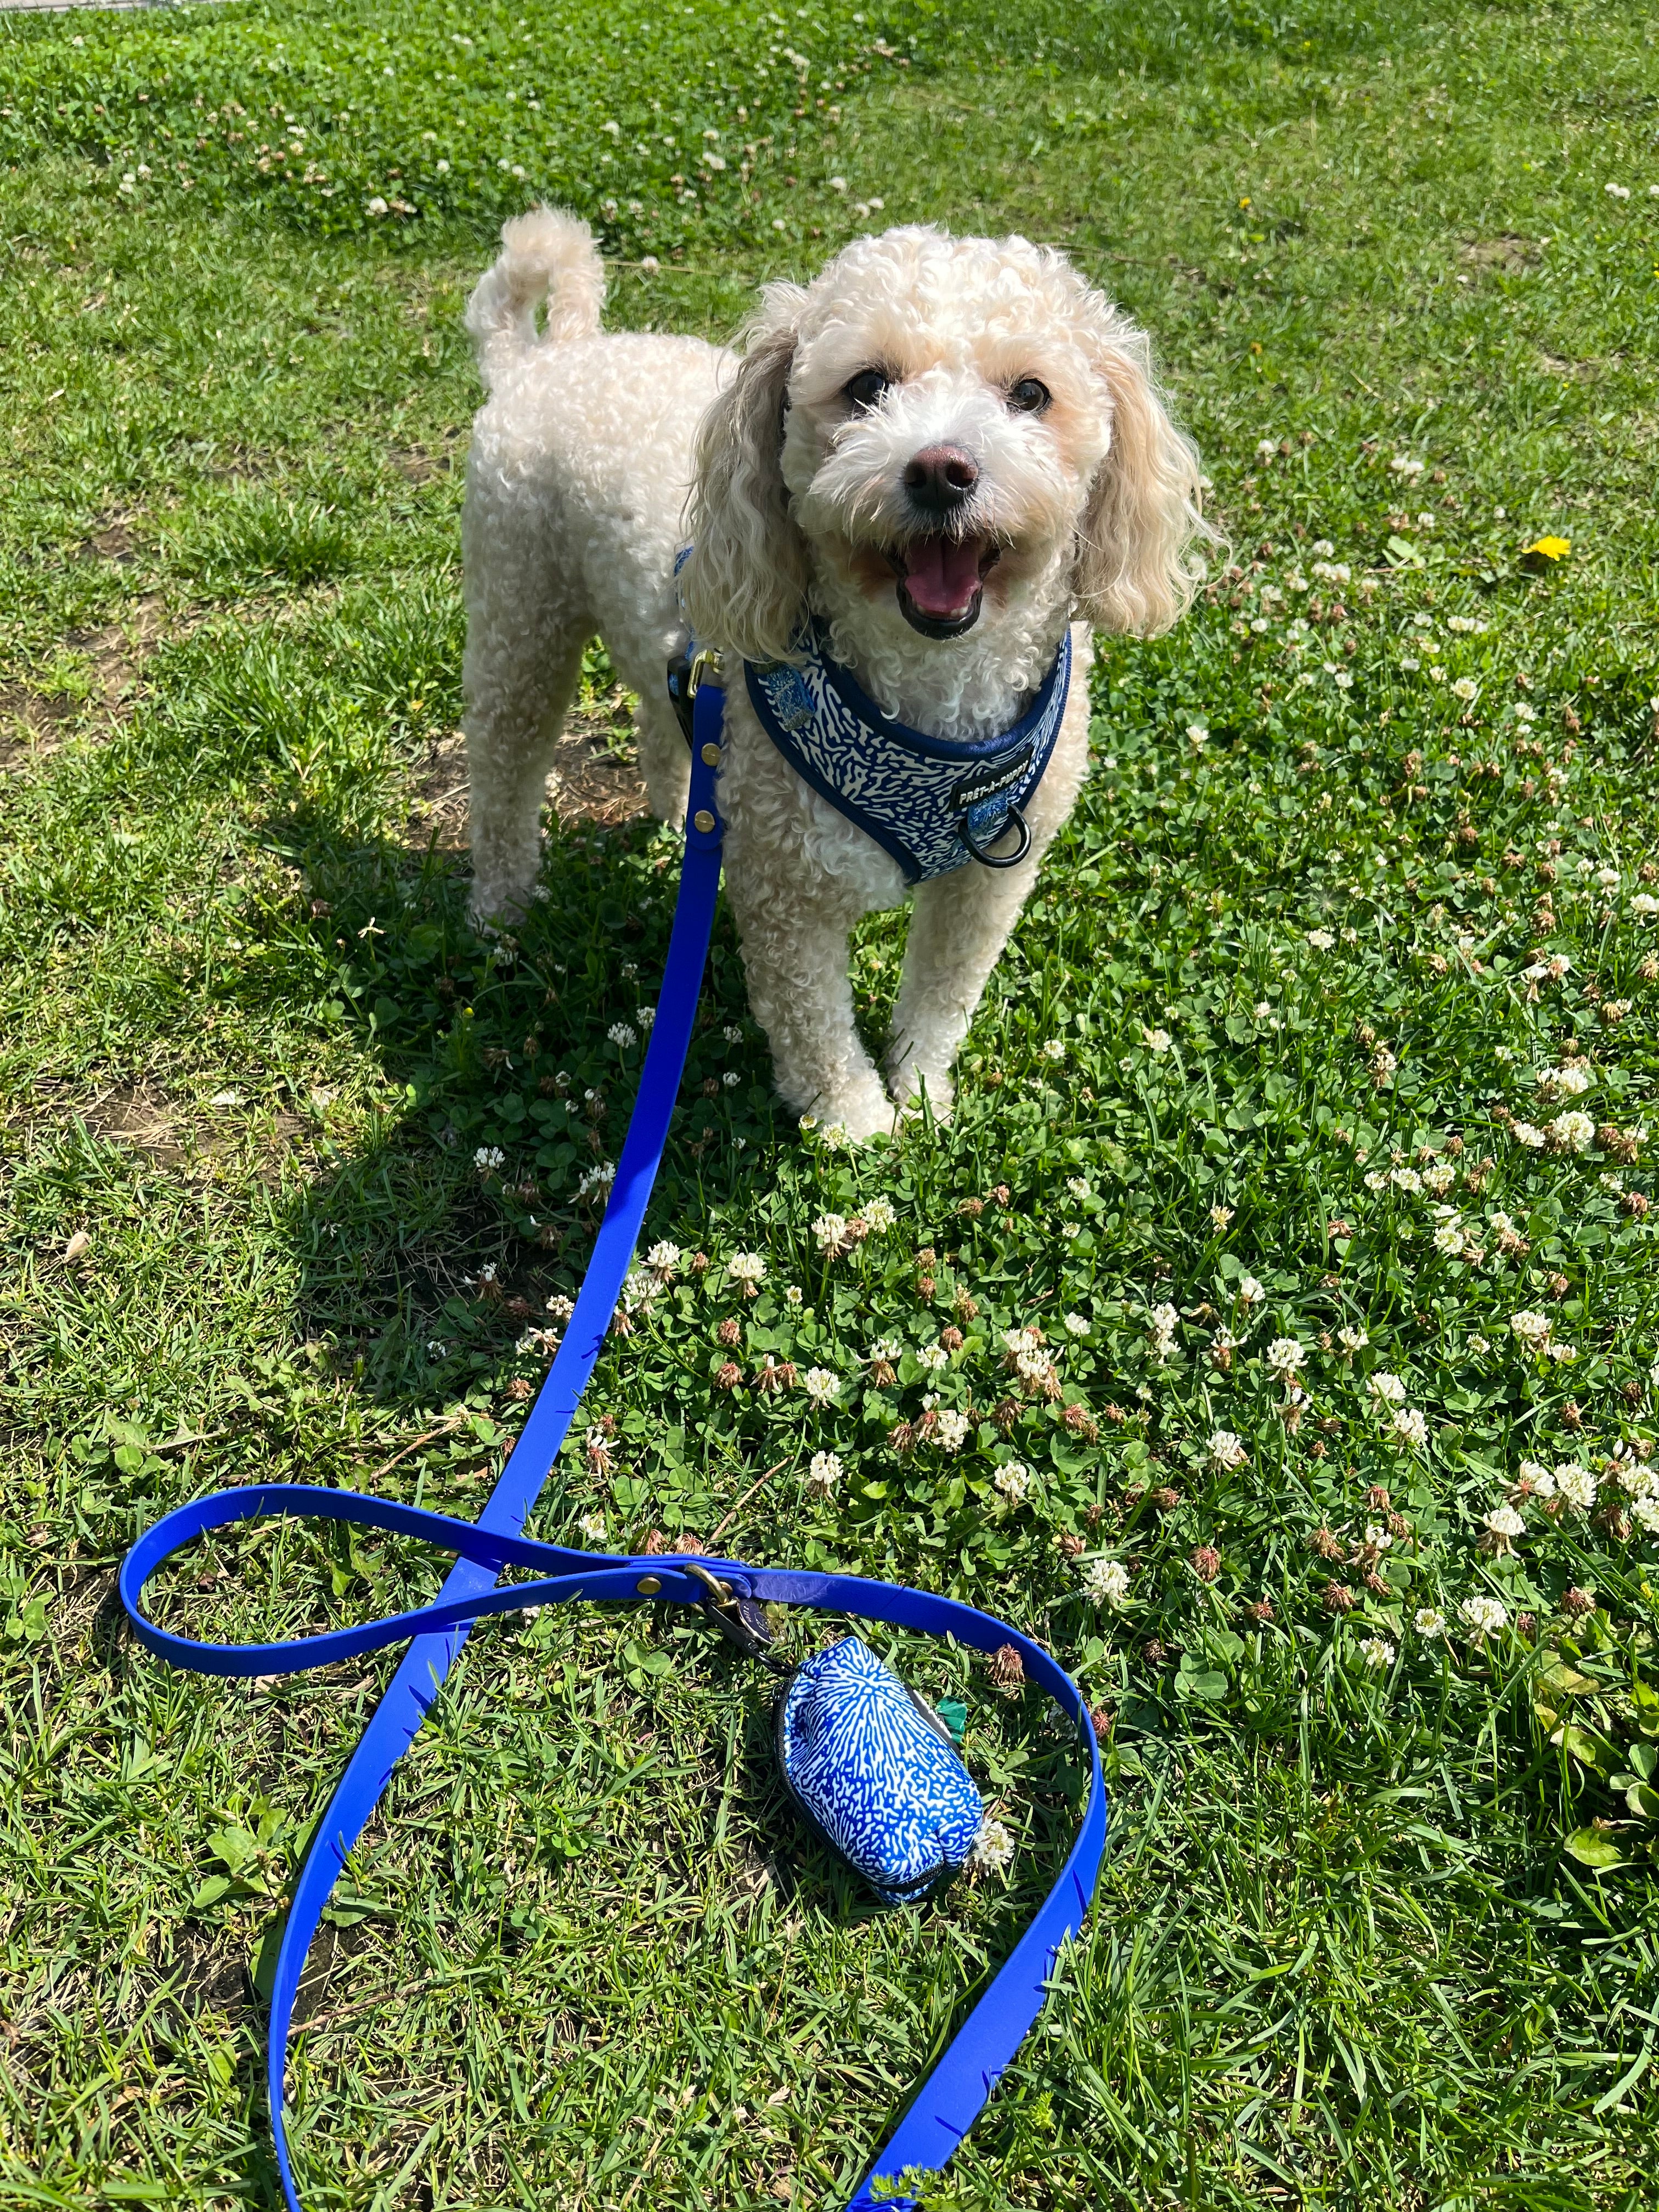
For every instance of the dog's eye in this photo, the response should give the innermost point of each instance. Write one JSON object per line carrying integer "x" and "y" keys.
{"x": 1028, "y": 397}
{"x": 866, "y": 389}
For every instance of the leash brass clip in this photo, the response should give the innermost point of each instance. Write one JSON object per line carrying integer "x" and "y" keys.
{"x": 738, "y": 1617}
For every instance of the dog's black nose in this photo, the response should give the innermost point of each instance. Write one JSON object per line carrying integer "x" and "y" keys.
{"x": 941, "y": 477}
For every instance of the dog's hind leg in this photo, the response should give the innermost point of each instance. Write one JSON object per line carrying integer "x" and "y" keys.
{"x": 524, "y": 656}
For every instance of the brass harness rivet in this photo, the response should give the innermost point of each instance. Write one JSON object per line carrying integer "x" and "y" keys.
{"x": 648, "y": 1585}
{"x": 711, "y": 755}
{"x": 704, "y": 820}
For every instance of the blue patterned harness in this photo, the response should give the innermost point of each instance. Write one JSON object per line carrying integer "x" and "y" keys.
{"x": 932, "y": 803}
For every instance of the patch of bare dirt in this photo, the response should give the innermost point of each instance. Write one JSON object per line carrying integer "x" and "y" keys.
{"x": 1574, "y": 371}
{"x": 32, "y": 724}
{"x": 113, "y": 541}
{"x": 1512, "y": 254}
{"x": 209, "y": 1972}
{"x": 180, "y": 1136}
{"x": 592, "y": 780}
{"x": 419, "y": 464}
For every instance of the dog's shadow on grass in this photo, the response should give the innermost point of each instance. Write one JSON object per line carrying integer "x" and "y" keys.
{"x": 509, "y": 1063}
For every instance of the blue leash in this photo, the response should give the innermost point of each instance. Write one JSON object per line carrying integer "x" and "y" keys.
{"x": 955, "y": 2093}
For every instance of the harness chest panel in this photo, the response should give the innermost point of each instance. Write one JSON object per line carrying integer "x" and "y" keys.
{"x": 915, "y": 795}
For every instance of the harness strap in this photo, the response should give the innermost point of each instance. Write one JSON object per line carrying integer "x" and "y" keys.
{"x": 954, "y": 2092}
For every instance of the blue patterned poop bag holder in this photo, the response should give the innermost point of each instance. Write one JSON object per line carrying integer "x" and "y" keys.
{"x": 872, "y": 1768}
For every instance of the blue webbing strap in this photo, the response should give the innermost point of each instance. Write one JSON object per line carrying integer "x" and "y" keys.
{"x": 954, "y": 2093}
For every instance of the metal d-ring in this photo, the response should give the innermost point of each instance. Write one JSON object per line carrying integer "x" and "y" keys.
{"x": 992, "y": 859}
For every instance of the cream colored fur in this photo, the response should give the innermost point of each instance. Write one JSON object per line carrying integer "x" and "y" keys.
{"x": 598, "y": 455}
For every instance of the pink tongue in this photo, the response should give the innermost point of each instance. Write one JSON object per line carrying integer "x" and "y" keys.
{"x": 942, "y": 575}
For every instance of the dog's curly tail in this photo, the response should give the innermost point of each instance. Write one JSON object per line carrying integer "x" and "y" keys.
{"x": 546, "y": 254}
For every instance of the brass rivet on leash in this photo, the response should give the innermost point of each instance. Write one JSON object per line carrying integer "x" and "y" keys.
{"x": 711, "y": 755}
{"x": 704, "y": 820}
{"x": 648, "y": 1585}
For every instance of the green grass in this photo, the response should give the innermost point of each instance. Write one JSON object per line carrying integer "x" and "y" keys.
{"x": 1366, "y": 1935}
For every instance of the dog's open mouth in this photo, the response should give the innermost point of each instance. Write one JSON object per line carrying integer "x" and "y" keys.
{"x": 941, "y": 581}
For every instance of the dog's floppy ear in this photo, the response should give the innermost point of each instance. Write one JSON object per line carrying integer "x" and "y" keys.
{"x": 1143, "y": 512}
{"x": 745, "y": 585}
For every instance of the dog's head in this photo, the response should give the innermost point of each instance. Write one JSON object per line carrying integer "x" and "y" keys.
{"x": 943, "y": 426}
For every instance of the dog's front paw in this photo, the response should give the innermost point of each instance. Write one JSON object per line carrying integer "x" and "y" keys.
{"x": 862, "y": 1113}
{"x": 908, "y": 1083}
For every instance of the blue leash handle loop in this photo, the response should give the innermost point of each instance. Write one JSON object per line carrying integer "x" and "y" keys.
{"x": 954, "y": 2093}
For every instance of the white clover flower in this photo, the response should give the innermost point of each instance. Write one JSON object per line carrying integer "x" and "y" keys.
{"x": 1156, "y": 1040}
{"x": 664, "y": 1260}
{"x": 1525, "y": 1134}
{"x": 1077, "y": 1187}
{"x": 489, "y": 1159}
{"x": 821, "y": 1386}
{"x": 1644, "y": 906}
{"x": 598, "y": 1180}
{"x": 824, "y": 1475}
{"x": 623, "y": 1033}
{"x": 1332, "y": 572}
{"x": 731, "y": 1079}
{"x": 1608, "y": 879}
{"x": 1225, "y": 1451}
{"x": 953, "y": 1428}
{"x": 1377, "y": 1653}
{"x": 1320, "y": 940}
{"x": 1448, "y": 1237}
{"x": 1405, "y": 1179}
{"x": 1054, "y": 1049}
{"x": 1465, "y": 688}
{"x": 436, "y": 1348}
{"x": 1439, "y": 1177}
{"x": 992, "y": 1849}
{"x": 1353, "y": 1341}
{"x": 1250, "y": 1292}
{"x": 747, "y": 1267}
{"x": 1576, "y": 1484}
{"x": 1572, "y": 1131}
{"x": 887, "y": 1348}
{"x": 1376, "y": 1179}
{"x": 1077, "y": 1324}
{"x": 591, "y": 1528}
{"x": 1646, "y": 1511}
{"x": 1106, "y": 1582}
{"x": 1285, "y": 1358}
{"x": 1429, "y": 1621}
{"x": 829, "y": 1231}
{"x": 934, "y": 1358}
{"x": 1387, "y": 1389}
{"x": 1198, "y": 733}
{"x": 1505, "y": 1523}
{"x": 879, "y": 1216}
{"x": 1013, "y": 1479}
{"x": 560, "y": 1307}
{"x": 1484, "y": 1616}
{"x": 1409, "y": 1427}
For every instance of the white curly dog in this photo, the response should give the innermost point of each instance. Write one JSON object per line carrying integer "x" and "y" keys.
{"x": 947, "y": 449}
